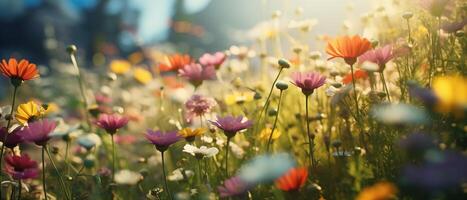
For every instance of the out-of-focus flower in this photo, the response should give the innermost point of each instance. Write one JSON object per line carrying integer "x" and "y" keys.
{"x": 379, "y": 56}
{"x": 215, "y": 59}
{"x": 127, "y": 177}
{"x": 190, "y": 134}
{"x": 378, "y": 191}
{"x": 436, "y": 7}
{"x": 180, "y": 174}
{"x": 200, "y": 152}
{"x": 196, "y": 74}
{"x": 266, "y": 168}
{"x": 198, "y": 106}
{"x": 399, "y": 114}
{"x": 231, "y": 125}
{"x": 348, "y": 47}
{"x": 175, "y": 62}
{"x": 238, "y": 97}
{"x": 125, "y": 139}
{"x": 331, "y": 91}
{"x": 38, "y": 131}
{"x": 233, "y": 187}
{"x": 237, "y": 151}
{"x": 161, "y": 140}
{"x": 303, "y": 25}
{"x": 425, "y": 95}
{"x": 111, "y": 123}
{"x": 65, "y": 131}
{"x": 4, "y": 111}
{"x": 308, "y": 81}
{"x": 142, "y": 75}
{"x": 12, "y": 139}
{"x": 21, "y": 167}
{"x": 293, "y": 180}
{"x": 416, "y": 144}
{"x": 89, "y": 141}
{"x": 120, "y": 66}
{"x": 454, "y": 26}
{"x": 358, "y": 74}
{"x": 266, "y": 132}
{"x": 18, "y": 72}
{"x": 452, "y": 93}
{"x": 28, "y": 112}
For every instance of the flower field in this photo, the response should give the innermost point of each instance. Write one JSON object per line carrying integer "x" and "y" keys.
{"x": 374, "y": 112}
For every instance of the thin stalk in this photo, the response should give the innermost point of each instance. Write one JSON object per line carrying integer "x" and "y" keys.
{"x": 15, "y": 90}
{"x": 113, "y": 156}
{"x": 385, "y": 86}
{"x": 81, "y": 88}
{"x": 165, "y": 177}
{"x": 199, "y": 172}
{"x": 60, "y": 178}
{"x": 227, "y": 157}
{"x": 19, "y": 189}
{"x": 275, "y": 122}
{"x": 43, "y": 174}
{"x": 310, "y": 138}
{"x": 66, "y": 157}
{"x": 266, "y": 104}
{"x": 357, "y": 109}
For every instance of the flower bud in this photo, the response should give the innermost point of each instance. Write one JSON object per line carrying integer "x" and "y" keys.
{"x": 407, "y": 15}
{"x": 257, "y": 96}
{"x": 272, "y": 112}
{"x": 71, "y": 49}
{"x": 374, "y": 43}
{"x": 281, "y": 85}
{"x": 460, "y": 33}
{"x": 284, "y": 63}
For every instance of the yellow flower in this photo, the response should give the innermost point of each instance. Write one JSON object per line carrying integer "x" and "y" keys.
{"x": 264, "y": 135}
{"x": 120, "y": 66}
{"x": 28, "y": 112}
{"x": 239, "y": 97}
{"x": 190, "y": 134}
{"x": 451, "y": 92}
{"x": 378, "y": 191}
{"x": 142, "y": 75}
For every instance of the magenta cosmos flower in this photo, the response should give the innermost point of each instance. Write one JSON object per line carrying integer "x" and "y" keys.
{"x": 231, "y": 125}
{"x": 232, "y": 187}
{"x": 38, "y": 131}
{"x": 308, "y": 81}
{"x": 215, "y": 59}
{"x": 161, "y": 140}
{"x": 111, "y": 123}
{"x": 196, "y": 74}
{"x": 21, "y": 167}
{"x": 199, "y": 105}
{"x": 379, "y": 56}
{"x": 12, "y": 139}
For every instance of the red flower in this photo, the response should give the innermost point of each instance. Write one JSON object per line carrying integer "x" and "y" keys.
{"x": 21, "y": 167}
{"x": 293, "y": 180}
{"x": 358, "y": 74}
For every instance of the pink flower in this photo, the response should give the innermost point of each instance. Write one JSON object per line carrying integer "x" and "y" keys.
{"x": 231, "y": 125}
{"x": 111, "y": 123}
{"x": 308, "y": 81}
{"x": 232, "y": 187}
{"x": 196, "y": 74}
{"x": 215, "y": 59}
{"x": 12, "y": 139}
{"x": 379, "y": 56}
{"x": 161, "y": 140}
{"x": 199, "y": 105}
{"x": 21, "y": 167}
{"x": 38, "y": 131}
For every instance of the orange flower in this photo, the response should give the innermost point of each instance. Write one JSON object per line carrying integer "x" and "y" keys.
{"x": 175, "y": 62}
{"x": 293, "y": 180}
{"x": 19, "y": 72}
{"x": 348, "y": 48}
{"x": 378, "y": 191}
{"x": 358, "y": 74}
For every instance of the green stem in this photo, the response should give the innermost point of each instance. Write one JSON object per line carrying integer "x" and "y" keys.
{"x": 227, "y": 157}
{"x": 20, "y": 185}
{"x": 43, "y": 174}
{"x": 357, "y": 109}
{"x": 113, "y": 157}
{"x": 266, "y": 104}
{"x": 385, "y": 86}
{"x": 275, "y": 122}
{"x": 310, "y": 137}
{"x": 81, "y": 88}
{"x": 199, "y": 172}
{"x": 60, "y": 178}
{"x": 15, "y": 90}
{"x": 165, "y": 177}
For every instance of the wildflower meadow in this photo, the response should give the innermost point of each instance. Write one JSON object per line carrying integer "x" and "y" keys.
{"x": 374, "y": 111}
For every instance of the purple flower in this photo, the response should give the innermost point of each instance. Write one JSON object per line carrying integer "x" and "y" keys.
{"x": 215, "y": 59}
{"x": 233, "y": 187}
{"x": 161, "y": 140}
{"x": 199, "y": 105}
{"x": 12, "y": 139}
{"x": 196, "y": 74}
{"x": 231, "y": 125}
{"x": 425, "y": 95}
{"x": 111, "y": 123}
{"x": 454, "y": 26}
{"x": 379, "y": 56}
{"x": 416, "y": 144}
{"x": 21, "y": 167}
{"x": 38, "y": 131}
{"x": 308, "y": 81}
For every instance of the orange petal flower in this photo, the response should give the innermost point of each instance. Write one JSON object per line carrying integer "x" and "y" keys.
{"x": 348, "y": 48}
{"x": 293, "y": 180}
{"x": 359, "y": 74}
{"x": 175, "y": 62}
{"x": 23, "y": 70}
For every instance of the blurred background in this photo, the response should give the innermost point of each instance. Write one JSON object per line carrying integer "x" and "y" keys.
{"x": 41, "y": 29}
